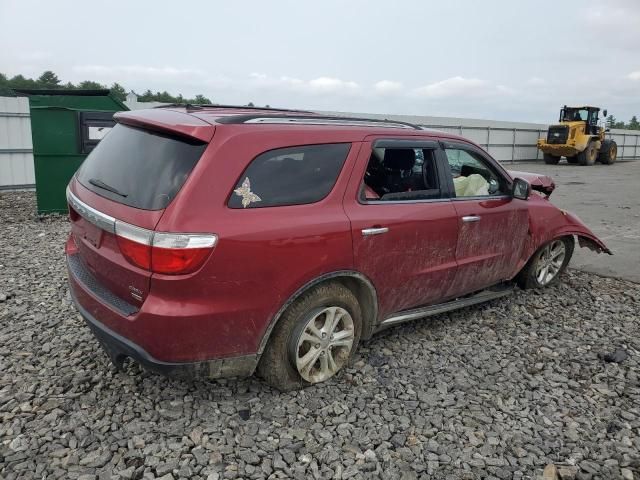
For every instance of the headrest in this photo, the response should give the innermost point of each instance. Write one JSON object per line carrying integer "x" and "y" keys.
{"x": 399, "y": 158}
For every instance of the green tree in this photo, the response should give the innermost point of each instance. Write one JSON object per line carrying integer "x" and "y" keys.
{"x": 633, "y": 123}
{"x": 201, "y": 100}
{"x": 118, "y": 91}
{"x": 91, "y": 85}
{"x": 19, "y": 81}
{"x": 146, "y": 96}
{"x": 611, "y": 121}
{"x": 48, "y": 79}
{"x": 250, "y": 104}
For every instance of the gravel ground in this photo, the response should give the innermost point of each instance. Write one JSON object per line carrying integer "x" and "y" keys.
{"x": 496, "y": 391}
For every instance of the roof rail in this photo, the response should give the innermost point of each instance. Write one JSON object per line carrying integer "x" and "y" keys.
{"x": 316, "y": 120}
{"x": 207, "y": 106}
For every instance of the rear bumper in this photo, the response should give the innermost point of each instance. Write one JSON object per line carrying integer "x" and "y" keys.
{"x": 118, "y": 347}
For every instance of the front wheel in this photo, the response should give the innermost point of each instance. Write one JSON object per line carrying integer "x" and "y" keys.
{"x": 588, "y": 155}
{"x": 608, "y": 152}
{"x": 547, "y": 264}
{"x": 315, "y": 338}
{"x": 551, "y": 159}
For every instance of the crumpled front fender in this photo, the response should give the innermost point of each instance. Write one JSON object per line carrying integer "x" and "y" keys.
{"x": 586, "y": 238}
{"x": 548, "y": 222}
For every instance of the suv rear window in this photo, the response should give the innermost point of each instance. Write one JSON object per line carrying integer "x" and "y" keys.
{"x": 140, "y": 168}
{"x": 290, "y": 176}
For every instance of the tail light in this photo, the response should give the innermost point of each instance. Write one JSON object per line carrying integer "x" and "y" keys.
{"x": 167, "y": 253}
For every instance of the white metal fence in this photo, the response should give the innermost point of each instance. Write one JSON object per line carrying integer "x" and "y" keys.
{"x": 16, "y": 154}
{"x": 505, "y": 141}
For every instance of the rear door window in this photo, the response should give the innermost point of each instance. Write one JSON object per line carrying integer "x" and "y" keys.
{"x": 140, "y": 168}
{"x": 290, "y": 176}
{"x": 401, "y": 174}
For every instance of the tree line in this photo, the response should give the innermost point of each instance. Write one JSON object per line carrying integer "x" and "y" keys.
{"x": 49, "y": 80}
{"x": 633, "y": 124}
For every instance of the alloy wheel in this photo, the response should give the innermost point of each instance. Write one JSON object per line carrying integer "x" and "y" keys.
{"x": 325, "y": 344}
{"x": 550, "y": 260}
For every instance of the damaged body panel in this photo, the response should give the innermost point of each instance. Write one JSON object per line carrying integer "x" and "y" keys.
{"x": 539, "y": 183}
{"x": 262, "y": 231}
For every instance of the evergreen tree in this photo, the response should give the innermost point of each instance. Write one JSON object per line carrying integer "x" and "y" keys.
{"x": 91, "y": 85}
{"x": 48, "y": 79}
{"x": 118, "y": 91}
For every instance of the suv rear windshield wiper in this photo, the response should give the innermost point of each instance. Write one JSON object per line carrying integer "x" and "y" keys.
{"x": 100, "y": 184}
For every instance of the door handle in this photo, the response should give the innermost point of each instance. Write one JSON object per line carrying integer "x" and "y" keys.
{"x": 471, "y": 218}
{"x": 366, "y": 232}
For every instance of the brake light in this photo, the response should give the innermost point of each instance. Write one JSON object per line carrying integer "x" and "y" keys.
{"x": 167, "y": 253}
{"x": 180, "y": 253}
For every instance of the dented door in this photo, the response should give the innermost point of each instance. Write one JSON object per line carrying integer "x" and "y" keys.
{"x": 493, "y": 232}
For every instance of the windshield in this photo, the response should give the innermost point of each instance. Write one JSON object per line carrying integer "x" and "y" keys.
{"x": 575, "y": 115}
{"x": 139, "y": 168}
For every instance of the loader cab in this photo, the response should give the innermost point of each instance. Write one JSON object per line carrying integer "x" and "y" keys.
{"x": 589, "y": 115}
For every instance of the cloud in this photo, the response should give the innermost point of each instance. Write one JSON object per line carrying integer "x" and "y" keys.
{"x": 615, "y": 23}
{"x": 460, "y": 87}
{"x": 536, "y": 81}
{"x": 137, "y": 71}
{"x": 314, "y": 86}
{"x": 388, "y": 86}
{"x": 329, "y": 84}
{"x": 634, "y": 75}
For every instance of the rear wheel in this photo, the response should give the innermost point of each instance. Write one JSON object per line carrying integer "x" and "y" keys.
{"x": 572, "y": 160}
{"x": 608, "y": 152}
{"x": 551, "y": 159}
{"x": 589, "y": 155}
{"x": 547, "y": 264}
{"x": 314, "y": 339}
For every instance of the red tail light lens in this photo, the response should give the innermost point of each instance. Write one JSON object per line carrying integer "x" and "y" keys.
{"x": 167, "y": 253}
{"x": 175, "y": 253}
{"x": 135, "y": 244}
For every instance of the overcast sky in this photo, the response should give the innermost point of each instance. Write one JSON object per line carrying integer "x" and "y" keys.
{"x": 495, "y": 59}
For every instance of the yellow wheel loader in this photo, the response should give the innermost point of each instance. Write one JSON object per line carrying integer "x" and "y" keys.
{"x": 579, "y": 138}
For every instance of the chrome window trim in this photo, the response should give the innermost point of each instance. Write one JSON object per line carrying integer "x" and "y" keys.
{"x": 403, "y": 202}
{"x": 90, "y": 214}
{"x": 483, "y": 197}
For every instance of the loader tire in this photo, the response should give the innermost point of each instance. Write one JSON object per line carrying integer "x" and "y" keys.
{"x": 589, "y": 155}
{"x": 573, "y": 160}
{"x": 550, "y": 159}
{"x": 608, "y": 152}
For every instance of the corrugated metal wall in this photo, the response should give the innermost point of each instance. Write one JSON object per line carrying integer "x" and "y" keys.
{"x": 16, "y": 155}
{"x": 505, "y": 141}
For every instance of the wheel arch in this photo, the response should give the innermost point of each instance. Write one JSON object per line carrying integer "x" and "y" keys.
{"x": 355, "y": 281}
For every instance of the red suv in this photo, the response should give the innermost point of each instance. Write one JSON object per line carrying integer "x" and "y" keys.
{"x": 217, "y": 241}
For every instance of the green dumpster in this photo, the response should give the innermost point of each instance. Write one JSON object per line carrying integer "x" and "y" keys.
{"x": 65, "y": 125}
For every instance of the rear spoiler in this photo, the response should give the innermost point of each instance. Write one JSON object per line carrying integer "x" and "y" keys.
{"x": 168, "y": 121}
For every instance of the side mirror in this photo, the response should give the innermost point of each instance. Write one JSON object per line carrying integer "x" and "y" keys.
{"x": 604, "y": 112}
{"x": 521, "y": 189}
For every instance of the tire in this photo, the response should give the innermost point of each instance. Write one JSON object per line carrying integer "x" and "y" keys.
{"x": 589, "y": 155}
{"x": 550, "y": 159}
{"x": 288, "y": 342}
{"x": 530, "y": 277}
{"x": 572, "y": 160}
{"x": 608, "y": 152}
